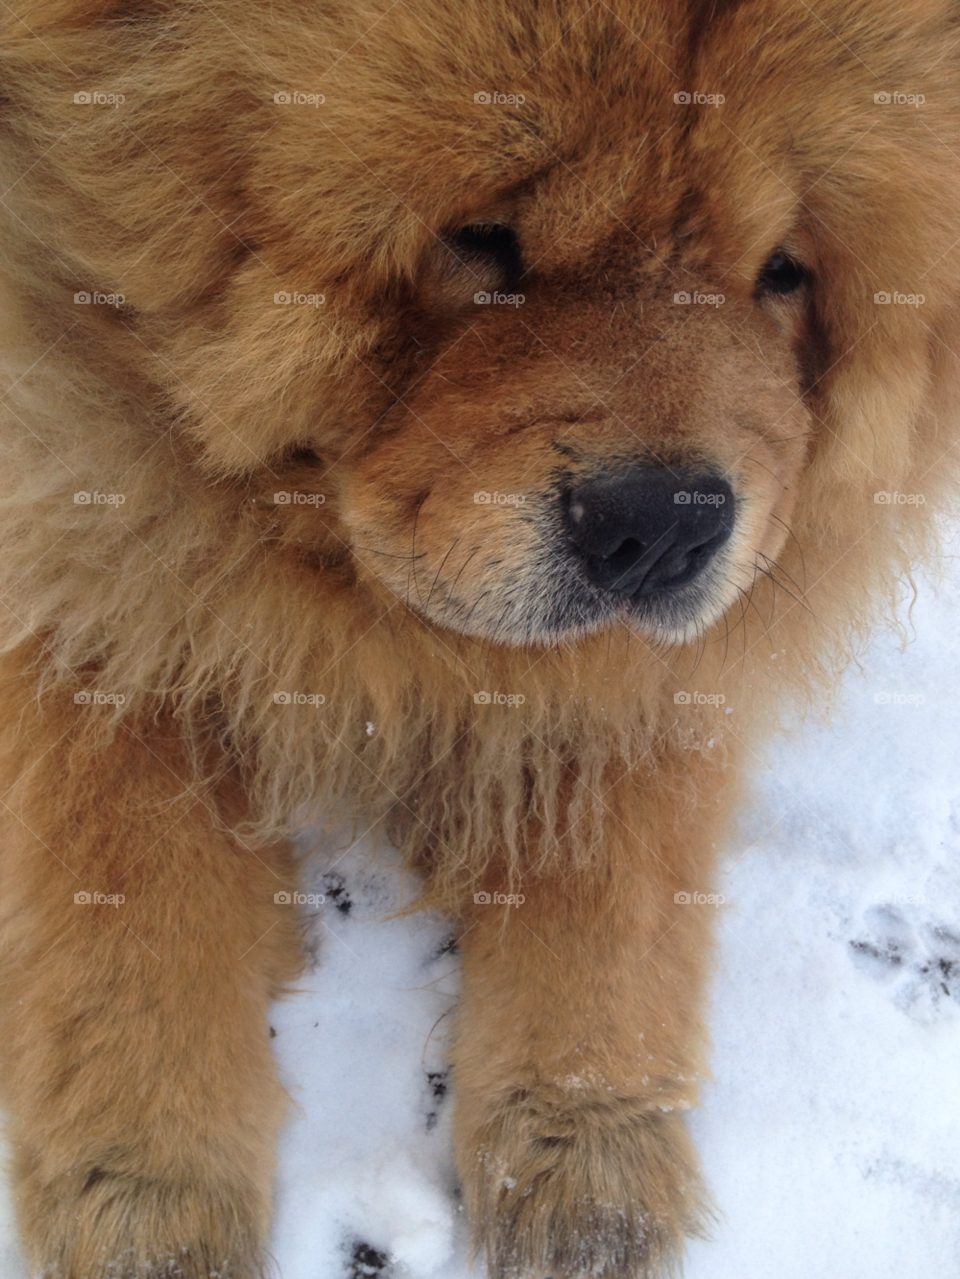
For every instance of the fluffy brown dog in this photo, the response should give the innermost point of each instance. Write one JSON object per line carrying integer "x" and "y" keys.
{"x": 295, "y": 514}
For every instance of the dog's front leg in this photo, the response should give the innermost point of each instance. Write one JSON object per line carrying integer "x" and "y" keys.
{"x": 141, "y": 947}
{"x": 580, "y": 1044}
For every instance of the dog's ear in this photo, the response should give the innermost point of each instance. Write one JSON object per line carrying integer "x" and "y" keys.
{"x": 848, "y": 124}
{"x": 867, "y": 160}
{"x": 887, "y": 225}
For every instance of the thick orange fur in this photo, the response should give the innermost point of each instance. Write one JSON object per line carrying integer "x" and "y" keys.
{"x": 135, "y": 1033}
{"x": 136, "y": 1058}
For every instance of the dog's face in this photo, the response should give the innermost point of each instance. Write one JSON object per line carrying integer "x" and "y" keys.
{"x": 611, "y": 435}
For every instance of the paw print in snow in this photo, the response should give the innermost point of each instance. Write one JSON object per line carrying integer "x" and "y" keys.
{"x": 366, "y": 1262}
{"x": 918, "y": 959}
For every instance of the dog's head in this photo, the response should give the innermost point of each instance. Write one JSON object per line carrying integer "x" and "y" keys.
{"x": 558, "y": 314}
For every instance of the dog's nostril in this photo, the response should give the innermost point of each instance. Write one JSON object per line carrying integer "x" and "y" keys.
{"x": 626, "y": 554}
{"x": 649, "y": 530}
{"x": 629, "y": 546}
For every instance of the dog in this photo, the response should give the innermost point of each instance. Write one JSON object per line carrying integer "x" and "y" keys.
{"x": 485, "y": 416}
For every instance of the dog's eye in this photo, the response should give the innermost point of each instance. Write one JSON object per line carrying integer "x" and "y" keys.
{"x": 781, "y": 274}
{"x": 493, "y": 244}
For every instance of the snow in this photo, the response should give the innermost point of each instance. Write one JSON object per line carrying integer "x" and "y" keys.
{"x": 368, "y": 1159}
{"x": 830, "y": 1133}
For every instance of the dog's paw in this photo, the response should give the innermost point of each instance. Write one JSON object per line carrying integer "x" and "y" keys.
{"x": 606, "y": 1189}
{"x": 918, "y": 959}
{"x": 96, "y": 1224}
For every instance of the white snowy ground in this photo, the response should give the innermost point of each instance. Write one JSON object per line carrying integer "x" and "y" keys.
{"x": 831, "y": 1133}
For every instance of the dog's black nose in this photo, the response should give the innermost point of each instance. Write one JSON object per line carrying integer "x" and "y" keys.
{"x": 650, "y": 528}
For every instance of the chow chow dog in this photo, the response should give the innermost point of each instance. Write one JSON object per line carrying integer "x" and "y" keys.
{"x": 483, "y": 415}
